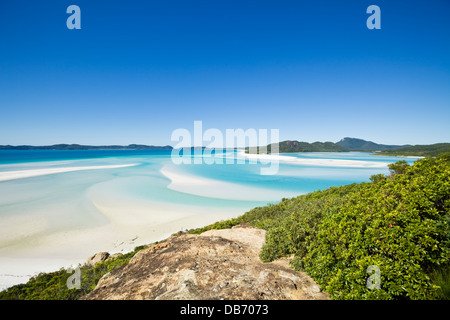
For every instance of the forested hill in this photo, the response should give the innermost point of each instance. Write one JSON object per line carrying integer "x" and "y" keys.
{"x": 345, "y": 144}
{"x": 355, "y": 144}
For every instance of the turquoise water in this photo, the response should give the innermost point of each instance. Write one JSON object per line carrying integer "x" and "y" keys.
{"x": 292, "y": 178}
{"x": 144, "y": 181}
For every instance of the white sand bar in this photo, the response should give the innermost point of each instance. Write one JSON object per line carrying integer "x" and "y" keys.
{"x": 314, "y": 162}
{"x": 211, "y": 188}
{"x": 12, "y": 175}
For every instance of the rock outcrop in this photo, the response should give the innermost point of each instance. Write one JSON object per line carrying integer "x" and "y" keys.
{"x": 100, "y": 257}
{"x": 218, "y": 264}
{"x": 96, "y": 258}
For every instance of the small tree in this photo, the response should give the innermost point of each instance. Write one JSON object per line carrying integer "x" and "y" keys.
{"x": 400, "y": 167}
{"x": 377, "y": 177}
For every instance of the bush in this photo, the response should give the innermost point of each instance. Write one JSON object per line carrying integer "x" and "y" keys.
{"x": 224, "y": 224}
{"x": 297, "y": 225}
{"x": 399, "y": 224}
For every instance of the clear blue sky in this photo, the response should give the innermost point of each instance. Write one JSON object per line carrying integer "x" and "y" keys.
{"x": 137, "y": 70}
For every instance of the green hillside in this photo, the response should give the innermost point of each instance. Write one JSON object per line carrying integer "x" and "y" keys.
{"x": 430, "y": 150}
{"x": 355, "y": 144}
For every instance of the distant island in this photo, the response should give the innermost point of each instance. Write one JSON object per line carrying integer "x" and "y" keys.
{"x": 85, "y": 147}
{"x": 354, "y": 144}
{"x": 344, "y": 145}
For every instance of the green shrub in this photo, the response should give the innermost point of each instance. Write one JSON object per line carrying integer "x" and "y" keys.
{"x": 441, "y": 277}
{"x": 224, "y": 224}
{"x": 399, "y": 224}
{"x": 297, "y": 225}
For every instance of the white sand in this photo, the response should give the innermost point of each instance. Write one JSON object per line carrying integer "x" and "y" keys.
{"x": 267, "y": 158}
{"x": 125, "y": 231}
{"x": 211, "y": 188}
{"x": 12, "y": 175}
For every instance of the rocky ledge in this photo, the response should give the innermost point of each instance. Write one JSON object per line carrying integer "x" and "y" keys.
{"x": 218, "y": 264}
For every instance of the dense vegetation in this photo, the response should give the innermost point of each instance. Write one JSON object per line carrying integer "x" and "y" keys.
{"x": 399, "y": 223}
{"x": 430, "y": 150}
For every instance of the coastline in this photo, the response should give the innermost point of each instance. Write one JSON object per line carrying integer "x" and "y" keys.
{"x": 315, "y": 162}
{"x": 397, "y": 155}
{"x": 66, "y": 249}
{"x": 41, "y": 245}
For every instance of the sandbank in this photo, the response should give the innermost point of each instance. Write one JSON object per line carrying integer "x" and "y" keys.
{"x": 267, "y": 158}
{"x": 212, "y": 188}
{"x": 12, "y": 175}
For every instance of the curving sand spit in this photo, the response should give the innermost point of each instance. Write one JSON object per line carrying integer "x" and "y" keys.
{"x": 12, "y": 175}
{"x": 267, "y": 158}
{"x": 211, "y": 188}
